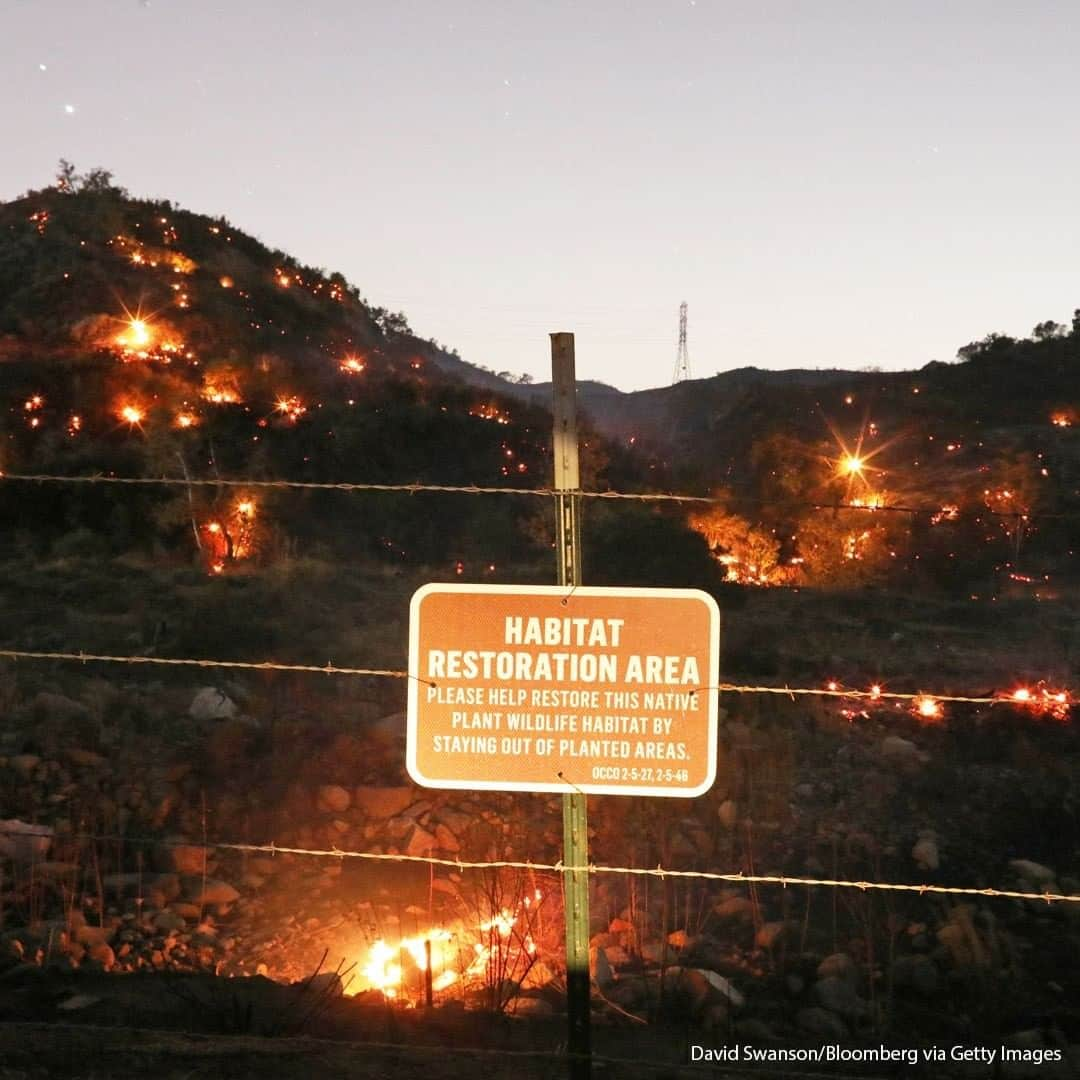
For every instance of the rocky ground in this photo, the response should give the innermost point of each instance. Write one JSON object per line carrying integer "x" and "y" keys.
{"x": 113, "y": 799}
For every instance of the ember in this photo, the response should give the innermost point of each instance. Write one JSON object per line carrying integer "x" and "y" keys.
{"x": 927, "y": 708}
{"x": 291, "y": 407}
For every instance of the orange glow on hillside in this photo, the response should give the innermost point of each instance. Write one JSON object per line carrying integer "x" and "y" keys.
{"x": 290, "y": 406}
{"x": 221, "y": 390}
{"x": 131, "y": 414}
{"x": 927, "y": 708}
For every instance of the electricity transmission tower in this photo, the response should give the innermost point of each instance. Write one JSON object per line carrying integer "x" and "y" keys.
{"x": 682, "y": 361}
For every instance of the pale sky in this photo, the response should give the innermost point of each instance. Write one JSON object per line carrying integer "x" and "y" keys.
{"x": 832, "y": 183}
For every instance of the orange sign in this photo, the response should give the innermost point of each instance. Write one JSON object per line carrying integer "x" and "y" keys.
{"x": 541, "y": 688}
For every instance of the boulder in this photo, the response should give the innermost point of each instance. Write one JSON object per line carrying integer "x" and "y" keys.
{"x": 166, "y": 921}
{"x": 735, "y": 909}
{"x": 383, "y": 802}
{"x": 24, "y": 764}
{"x": 925, "y": 852}
{"x": 837, "y": 966}
{"x": 838, "y": 995}
{"x": 210, "y": 703}
{"x": 770, "y": 934}
{"x": 902, "y": 752}
{"x": 212, "y": 891}
{"x": 457, "y": 821}
{"x": 24, "y": 842}
{"x": 689, "y": 986}
{"x": 918, "y": 973}
{"x": 91, "y": 936}
{"x": 445, "y": 839}
{"x": 532, "y": 1006}
{"x": 1034, "y": 872}
{"x": 334, "y": 799}
{"x": 102, "y": 954}
{"x": 821, "y": 1023}
{"x": 180, "y": 857}
{"x": 420, "y": 842}
{"x": 59, "y": 707}
{"x": 85, "y": 758}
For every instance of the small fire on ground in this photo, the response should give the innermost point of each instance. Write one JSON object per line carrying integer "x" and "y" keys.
{"x": 501, "y": 946}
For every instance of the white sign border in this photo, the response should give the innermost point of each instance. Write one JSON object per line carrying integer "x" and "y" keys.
{"x": 557, "y": 787}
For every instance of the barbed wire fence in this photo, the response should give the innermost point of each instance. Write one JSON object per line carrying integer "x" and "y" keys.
{"x": 595, "y": 870}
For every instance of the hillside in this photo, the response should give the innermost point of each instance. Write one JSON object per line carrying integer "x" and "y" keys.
{"x": 142, "y": 339}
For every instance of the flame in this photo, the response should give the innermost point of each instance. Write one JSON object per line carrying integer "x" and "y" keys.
{"x": 34, "y": 402}
{"x": 854, "y": 544}
{"x": 453, "y": 957}
{"x": 131, "y": 414}
{"x": 1061, "y": 420}
{"x": 927, "y": 707}
{"x": 1040, "y": 700}
{"x": 291, "y": 407}
{"x": 136, "y": 335}
{"x": 872, "y": 501}
{"x": 949, "y": 512}
{"x": 221, "y": 390}
{"x": 850, "y": 465}
{"x": 352, "y": 365}
{"x": 490, "y": 412}
{"x": 186, "y": 420}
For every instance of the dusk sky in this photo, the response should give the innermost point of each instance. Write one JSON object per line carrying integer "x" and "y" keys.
{"x": 825, "y": 184}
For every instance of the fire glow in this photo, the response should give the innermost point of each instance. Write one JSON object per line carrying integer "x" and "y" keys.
{"x": 456, "y": 957}
{"x": 131, "y": 414}
{"x": 1040, "y": 700}
{"x": 291, "y": 407}
{"x": 490, "y": 412}
{"x": 230, "y": 537}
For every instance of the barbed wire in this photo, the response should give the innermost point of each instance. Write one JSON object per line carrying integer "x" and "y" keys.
{"x": 390, "y": 673}
{"x": 264, "y": 665}
{"x": 783, "y": 880}
{"x": 475, "y": 489}
{"x": 872, "y": 695}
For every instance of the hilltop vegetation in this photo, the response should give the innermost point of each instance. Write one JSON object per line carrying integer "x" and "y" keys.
{"x": 142, "y": 339}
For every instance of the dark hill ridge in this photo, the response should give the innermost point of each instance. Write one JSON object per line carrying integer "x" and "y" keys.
{"x": 1006, "y": 394}
{"x": 141, "y": 338}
